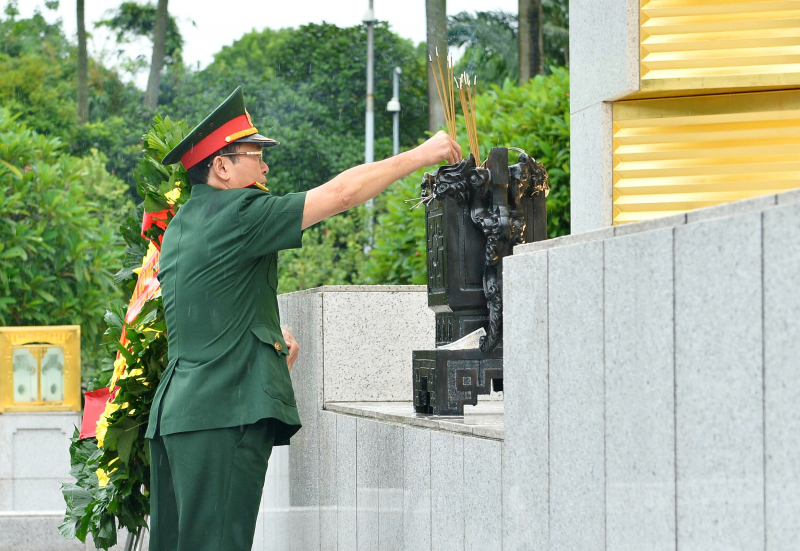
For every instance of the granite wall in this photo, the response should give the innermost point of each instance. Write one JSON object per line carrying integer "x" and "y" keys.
{"x": 34, "y": 459}
{"x": 384, "y": 486}
{"x": 352, "y": 483}
{"x": 652, "y": 381}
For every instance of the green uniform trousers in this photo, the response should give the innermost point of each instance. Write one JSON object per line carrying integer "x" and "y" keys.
{"x": 206, "y": 487}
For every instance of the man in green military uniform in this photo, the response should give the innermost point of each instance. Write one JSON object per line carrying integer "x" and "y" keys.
{"x": 226, "y": 397}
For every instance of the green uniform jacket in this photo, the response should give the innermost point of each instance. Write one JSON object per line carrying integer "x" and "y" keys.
{"x": 219, "y": 278}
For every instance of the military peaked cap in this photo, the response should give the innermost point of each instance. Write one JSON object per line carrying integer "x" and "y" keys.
{"x": 228, "y": 123}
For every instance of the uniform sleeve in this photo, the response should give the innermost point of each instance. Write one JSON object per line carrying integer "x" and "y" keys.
{"x": 268, "y": 224}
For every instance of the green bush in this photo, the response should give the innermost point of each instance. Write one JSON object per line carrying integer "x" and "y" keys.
{"x": 59, "y": 244}
{"x": 332, "y": 254}
{"x": 398, "y": 257}
{"x": 39, "y": 84}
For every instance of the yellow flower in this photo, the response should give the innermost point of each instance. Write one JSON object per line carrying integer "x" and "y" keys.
{"x": 102, "y": 428}
{"x": 102, "y": 477}
{"x": 119, "y": 369}
{"x": 102, "y": 423}
{"x": 172, "y": 196}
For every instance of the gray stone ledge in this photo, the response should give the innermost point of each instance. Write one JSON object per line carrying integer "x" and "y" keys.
{"x": 362, "y": 289}
{"x": 654, "y": 224}
{"x": 730, "y": 209}
{"x": 789, "y": 197}
{"x": 482, "y": 421}
{"x": 745, "y": 206}
{"x": 564, "y": 241}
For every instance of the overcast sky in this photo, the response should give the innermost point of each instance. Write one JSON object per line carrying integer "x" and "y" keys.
{"x": 207, "y": 26}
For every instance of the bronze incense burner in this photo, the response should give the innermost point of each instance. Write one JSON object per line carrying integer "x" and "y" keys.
{"x": 474, "y": 217}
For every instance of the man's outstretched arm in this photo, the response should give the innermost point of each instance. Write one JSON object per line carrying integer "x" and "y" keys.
{"x": 359, "y": 184}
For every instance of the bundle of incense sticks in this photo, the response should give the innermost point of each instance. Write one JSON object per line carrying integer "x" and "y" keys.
{"x": 444, "y": 87}
{"x": 465, "y": 93}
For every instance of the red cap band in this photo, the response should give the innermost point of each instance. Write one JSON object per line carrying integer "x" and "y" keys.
{"x": 215, "y": 141}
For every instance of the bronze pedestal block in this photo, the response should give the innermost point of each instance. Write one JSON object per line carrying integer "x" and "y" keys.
{"x": 447, "y": 380}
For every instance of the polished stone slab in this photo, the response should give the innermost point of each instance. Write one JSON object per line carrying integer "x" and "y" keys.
{"x": 447, "y": 492}
{"x": 781, "y": 374}
{"x": 346, "y": 482}
{"x": 640, "y": 408}
{"x": 328, "y": 529}
{"x": 579, "y": 235}
{"x": 360, "y": 289}
{"x": 275, "y": 502}
{"x": 367, "y": 353}
{"x": 369, "y": 457}
{"x": 335, "y": 364}
{"x": 296, "y": 524}
{"x": 604, "y": 44}
{"x": 526, "y": 447}
{"x": 483, "y": 499}
{"x": 719, "y": 383}
{"x": 577, "y": 406}
{"x": 390, "y": 487}
{"x": 591, "y": 182}
{"x": 34, "y": 459}
{"x": 484, "y": 420}
{"x": 34, "y": 532}
{"x": 744, "y": 206}
{"x": 416, "y": 489}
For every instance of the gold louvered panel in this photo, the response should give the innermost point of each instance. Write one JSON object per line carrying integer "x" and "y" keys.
{"x": 719, "y": 45}
{"x": 676, "y": 155}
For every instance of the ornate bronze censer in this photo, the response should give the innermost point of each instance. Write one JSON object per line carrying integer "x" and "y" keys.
{"x": 474, "y": 216}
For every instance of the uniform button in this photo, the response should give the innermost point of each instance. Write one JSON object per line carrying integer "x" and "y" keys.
{"x": 278, "y": 346}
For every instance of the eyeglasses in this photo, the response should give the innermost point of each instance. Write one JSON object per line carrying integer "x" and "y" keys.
{"x": 237, "y": 153}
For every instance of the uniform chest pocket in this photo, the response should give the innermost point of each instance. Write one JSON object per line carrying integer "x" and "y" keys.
{"x": 271, "y": 356}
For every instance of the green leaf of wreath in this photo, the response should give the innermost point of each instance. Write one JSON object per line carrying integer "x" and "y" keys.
{"x": 123, "y": 434}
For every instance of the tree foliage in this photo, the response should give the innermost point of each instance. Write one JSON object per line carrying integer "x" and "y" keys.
{"x": 491, "y": 41}
{"x": 491, "y": 44}
{"x": 59, "y": 244}
{"x": 398, "y": 256}
{"x": 556, "y": 32}
{"x": 332, "y": 254}
{"x": 305, "y": 87}
{"x": 132, "y": 20}
{"x": 39, "y": 68}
